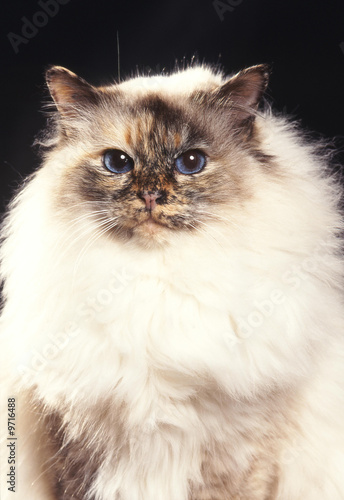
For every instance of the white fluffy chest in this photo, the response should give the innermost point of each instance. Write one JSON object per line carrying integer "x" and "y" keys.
{"x": 185, "y": 319}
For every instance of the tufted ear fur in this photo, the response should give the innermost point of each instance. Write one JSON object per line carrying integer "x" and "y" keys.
{"x": 71, "y": 93}
{"x": 243, "y": 91}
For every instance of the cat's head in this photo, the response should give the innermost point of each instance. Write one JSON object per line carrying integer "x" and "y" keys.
{"x": 156, "y": 155}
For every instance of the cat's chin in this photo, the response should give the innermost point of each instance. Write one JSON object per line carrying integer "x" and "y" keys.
{"x": 150, "y": 233}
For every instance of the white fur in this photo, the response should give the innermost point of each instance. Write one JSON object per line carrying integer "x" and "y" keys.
{"x": 171, "y": 329}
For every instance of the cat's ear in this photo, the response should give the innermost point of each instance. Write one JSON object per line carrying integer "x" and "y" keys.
{"x": 243, "y": 91}
{"x": 71, "y": 93}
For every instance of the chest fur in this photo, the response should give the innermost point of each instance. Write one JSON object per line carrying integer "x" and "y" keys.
{"x": 204, "y": 448}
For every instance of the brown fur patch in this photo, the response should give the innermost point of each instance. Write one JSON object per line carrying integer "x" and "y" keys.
{"x": 73, "y": 464}
{"x": 177, "y": 140}
{"x": 245, "y": 465}
{"x": 127, "y": 136}
{"x": 258, "y": 482}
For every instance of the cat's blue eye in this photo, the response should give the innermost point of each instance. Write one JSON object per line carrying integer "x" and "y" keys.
{"x": 190, "y": 162}
{"x": 117, "y": 161}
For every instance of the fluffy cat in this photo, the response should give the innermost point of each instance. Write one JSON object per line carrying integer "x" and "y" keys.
{"x": 172, "y": 325}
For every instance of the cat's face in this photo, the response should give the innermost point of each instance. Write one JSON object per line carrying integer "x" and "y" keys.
{"x": 150, "y": 157}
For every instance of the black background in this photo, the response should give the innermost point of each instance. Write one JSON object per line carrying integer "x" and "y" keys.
{"x": 303, "y": 41}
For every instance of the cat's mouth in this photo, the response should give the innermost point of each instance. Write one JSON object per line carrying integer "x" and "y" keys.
{"x": 160, "y": 221}
{"x": 156, "y": 225}
{"x": 151, "y": 222}
{"x": 150, "y": 229}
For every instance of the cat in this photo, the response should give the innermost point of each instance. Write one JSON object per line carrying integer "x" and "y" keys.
{"x": 172, "y": 326}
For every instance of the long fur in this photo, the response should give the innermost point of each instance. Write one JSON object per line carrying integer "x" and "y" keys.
{"x": 206, "y": 365}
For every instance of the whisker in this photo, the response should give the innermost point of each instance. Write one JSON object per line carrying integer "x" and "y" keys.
{"x": 107, "y": 225}
{"x": 85, "y": 216}
{"x": 219, "y": 217}
{"x": 207, "y": 225}
{"x": 68, "y": 242}
{"x": 209, "y": 237}
{"x": 86, "y": 202}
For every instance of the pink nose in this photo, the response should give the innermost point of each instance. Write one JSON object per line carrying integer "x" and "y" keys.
{"x": 150, "y": 197}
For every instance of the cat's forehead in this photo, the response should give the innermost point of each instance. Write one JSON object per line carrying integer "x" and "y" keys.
{"x": 180, "y": 83}
{"x": 160, "y": 123}
{"x": 158, "y": 109}
{"x": 159, "y": 112}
